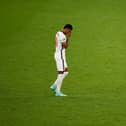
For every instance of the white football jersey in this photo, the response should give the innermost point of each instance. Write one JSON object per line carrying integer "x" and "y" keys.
{"x": 60, "y": 38}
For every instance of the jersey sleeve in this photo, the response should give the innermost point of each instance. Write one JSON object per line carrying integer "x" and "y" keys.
{"x": 61, "y": 38}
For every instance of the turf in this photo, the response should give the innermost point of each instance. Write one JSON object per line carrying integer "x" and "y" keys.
{"x": 96, "y": 85}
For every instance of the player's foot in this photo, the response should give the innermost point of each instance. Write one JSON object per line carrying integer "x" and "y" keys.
{"x": 53, "y": 87}
{"x": 60, "y": 94}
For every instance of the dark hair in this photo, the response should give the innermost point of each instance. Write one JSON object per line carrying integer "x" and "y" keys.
{"x": 69, "y": 26}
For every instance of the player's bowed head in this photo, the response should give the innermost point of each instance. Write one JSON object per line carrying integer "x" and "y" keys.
{"x": 67, "y": 30}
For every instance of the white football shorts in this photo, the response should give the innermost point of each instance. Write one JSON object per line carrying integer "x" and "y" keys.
{"x": 60, "y": 59}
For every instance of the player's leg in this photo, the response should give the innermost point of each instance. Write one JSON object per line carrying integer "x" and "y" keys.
{"x": 63, "y": 67}
{"x": 60, "y": 68}
{"x": 64, "y": 73}
{"x": 58, "y": 83}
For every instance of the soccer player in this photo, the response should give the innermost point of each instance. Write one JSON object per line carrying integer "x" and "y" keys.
{"x": 62, "y": 42}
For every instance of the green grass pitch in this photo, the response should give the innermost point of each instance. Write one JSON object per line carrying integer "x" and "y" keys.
{"x": 96, "y": 85}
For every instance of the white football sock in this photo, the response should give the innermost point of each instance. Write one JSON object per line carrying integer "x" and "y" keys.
{"x": 57, "y": 80}
{"x": 60, "y": 80}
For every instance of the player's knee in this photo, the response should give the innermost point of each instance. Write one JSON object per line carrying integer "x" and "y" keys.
{"x": 66, "y": 73}
{"x": 66, "y": 70}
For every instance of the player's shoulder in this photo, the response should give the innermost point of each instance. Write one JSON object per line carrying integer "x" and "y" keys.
{"x": 60, "y": 34}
